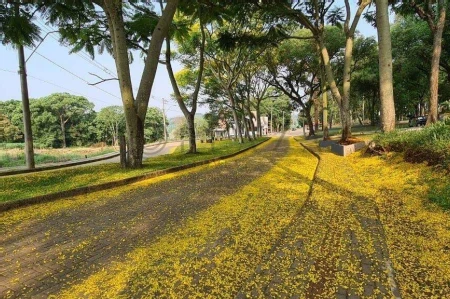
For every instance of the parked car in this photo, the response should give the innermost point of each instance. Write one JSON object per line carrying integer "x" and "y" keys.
{"x": 417, "y": 121}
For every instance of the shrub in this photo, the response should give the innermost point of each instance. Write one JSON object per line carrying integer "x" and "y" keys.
{"x": 431, "y": 144}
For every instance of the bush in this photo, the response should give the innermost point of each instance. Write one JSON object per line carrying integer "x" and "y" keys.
{"x": 431, "y": 144}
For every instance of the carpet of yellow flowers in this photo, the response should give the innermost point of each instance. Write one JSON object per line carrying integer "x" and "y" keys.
{"x": 353, "y": 227}
{"x": 383, "y": 206}
{"x": 215, "y": 251}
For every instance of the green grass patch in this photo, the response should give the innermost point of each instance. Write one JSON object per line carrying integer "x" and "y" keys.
{"x": 18, "y": 159}
{"x": 41, "y": 183}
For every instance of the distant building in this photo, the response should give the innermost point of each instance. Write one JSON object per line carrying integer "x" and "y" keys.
{"x": 221, "y": 131}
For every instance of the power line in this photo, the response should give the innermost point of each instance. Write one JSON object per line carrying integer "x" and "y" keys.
{"x": 54, "y": 84}
{"x": 81, "y": 54}
{"x": 8, "y": 71}
{"x": 48, "y": 59}
{"x": 75, "y": 92}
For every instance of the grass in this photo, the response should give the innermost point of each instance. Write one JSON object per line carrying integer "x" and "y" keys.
{"x": 41, "y": 183}
{"x": 14, "y": 156}
{"x": 431, "y": 144}
{"x": 357, "y": 130}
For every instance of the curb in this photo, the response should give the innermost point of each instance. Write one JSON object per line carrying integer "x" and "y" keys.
{"x": 109, "y": 185}
{"x": 43, "y": 168}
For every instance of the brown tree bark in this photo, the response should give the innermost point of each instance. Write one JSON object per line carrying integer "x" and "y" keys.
{"x": 436, "y": 57}
{"x": 258, "y": 117}
{"x": 237, "y": 126}
{"x": 343, "y": 99}
{"x": 27, "y": 131}
{"x": 189, "y": 115}
{"x": 135, "y": 110}
{"x": 385, "y": 64}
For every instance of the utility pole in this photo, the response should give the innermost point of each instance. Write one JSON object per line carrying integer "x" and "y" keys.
{"x": 28, "y": 135}
{"x": 164, "y": 120}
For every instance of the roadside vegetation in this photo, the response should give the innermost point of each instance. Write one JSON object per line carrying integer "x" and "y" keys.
{"x": 430, "y": 144}
{"x": 13, "y": 187}
{"x": 11, "y": 154}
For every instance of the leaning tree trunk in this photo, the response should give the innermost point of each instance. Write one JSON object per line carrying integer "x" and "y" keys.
{"x": 385, "y": 65}
{"x": 434, "y": 77}
{"x": 342, "y": 101}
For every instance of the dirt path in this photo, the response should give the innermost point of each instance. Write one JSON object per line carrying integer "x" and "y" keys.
{"x": 42, "y": 256}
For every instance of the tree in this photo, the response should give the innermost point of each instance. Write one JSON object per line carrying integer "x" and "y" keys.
{"x": 411, "y": 38}
{"x": 294, "y": 73}
{"x": 277, "y": 111}
{"x": 385, "y": 67}
{"x": 191, "y": 51}
{"x": 111, "y": 122}
{"x": 227, "y": 60}
{"x": 154, "y": 125}
{"x": 8, "y": 131}
{"x": 18, "y": 30}
{"x": 434, "y": 14}
{"x": 63, "y": 118}
{"x": 314, "y": 15}
{"x": 119, "y": 27}
{"x": 365, "y": 80}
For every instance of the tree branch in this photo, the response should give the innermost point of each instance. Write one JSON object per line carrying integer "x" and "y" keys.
{"x": 101, "y": 79}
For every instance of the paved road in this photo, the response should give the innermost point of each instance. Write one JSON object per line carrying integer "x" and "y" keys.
{"x": 151, "y": 150}
{"x": 40, "y": 256}
{"x": 311, "y": 246}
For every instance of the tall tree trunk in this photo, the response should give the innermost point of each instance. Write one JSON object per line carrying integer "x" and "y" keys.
{"x": 27, "y": 131}
{"x": 135, "y": 111}
{"x": 63, "y": 131}
{"x": 309, "y": 119}
{"x": 346, "y": 120}
{"x": 258, "y": 118}
{"x": 385, "y": 64}
{"x": 189, "y": 115}
{"x": 342, "y": 101}
{"x": 237, "y": 127}
{"x": 245, "y": 123}
{"x": 191, "y": 130}
{"x": 316, "y": 114}
{"x": 134, "y": 125}
{"x": 324, "y": 112}
{"x": 250, "y": 115}
{"x": 434, "y": 77}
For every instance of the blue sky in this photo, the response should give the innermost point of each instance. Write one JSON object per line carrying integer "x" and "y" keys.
{"x": 46, "y": 78}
